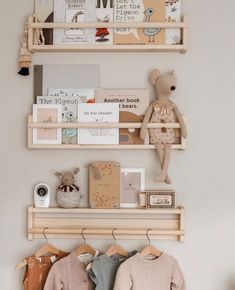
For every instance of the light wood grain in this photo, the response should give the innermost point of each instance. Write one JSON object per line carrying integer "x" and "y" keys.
{"x": 130, "y": 223}
{"x": 67, "y": 25}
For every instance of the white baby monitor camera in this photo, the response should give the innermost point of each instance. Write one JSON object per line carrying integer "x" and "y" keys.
{"x": 42, "y": 195}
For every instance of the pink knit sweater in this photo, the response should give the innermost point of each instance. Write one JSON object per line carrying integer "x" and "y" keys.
{"x": 138, "y": 273}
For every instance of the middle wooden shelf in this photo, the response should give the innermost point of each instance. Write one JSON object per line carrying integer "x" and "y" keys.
{"x": 32, "y": 125}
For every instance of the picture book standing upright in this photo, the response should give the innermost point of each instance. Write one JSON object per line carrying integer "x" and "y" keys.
{"x": 139, "y": 11}
{"x": 104, "y": 13}
{"x": 173, "y": 14}
{"x": 74, "y": 11}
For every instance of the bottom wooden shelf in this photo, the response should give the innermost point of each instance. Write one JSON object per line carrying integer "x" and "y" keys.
{"x": 165, "y": 224}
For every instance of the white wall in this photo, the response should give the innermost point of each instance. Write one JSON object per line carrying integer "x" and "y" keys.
{"x": 203, "y": 174}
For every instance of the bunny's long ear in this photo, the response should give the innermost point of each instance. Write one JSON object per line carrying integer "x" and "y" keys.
{"x": 58, "y": 174}
{"x": 76, "y": 170}
{"x": 154, "y": 75}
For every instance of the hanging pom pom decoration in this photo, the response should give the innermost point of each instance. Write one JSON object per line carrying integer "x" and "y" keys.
{"x": 25, "y": 58}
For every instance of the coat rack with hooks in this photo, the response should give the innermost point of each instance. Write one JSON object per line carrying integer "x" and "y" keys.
{"x": 165, "y": 224}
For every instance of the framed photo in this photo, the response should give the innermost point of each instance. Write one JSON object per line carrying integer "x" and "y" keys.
{"x": 47, "y": 114}
{"x": 132, "y": 182}
{"x": 157, "y": 199}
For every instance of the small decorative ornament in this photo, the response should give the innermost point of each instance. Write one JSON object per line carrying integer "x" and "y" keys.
{"x": 25, "y": 58}
{"x": 68, "y": 193}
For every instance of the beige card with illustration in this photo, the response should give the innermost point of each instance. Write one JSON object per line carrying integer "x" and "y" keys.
{"x": 139, "y": 11}
{"x": 104, "y": 185}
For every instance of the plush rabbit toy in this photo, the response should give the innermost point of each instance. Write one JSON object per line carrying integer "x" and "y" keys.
{"x": 163, "y": 111}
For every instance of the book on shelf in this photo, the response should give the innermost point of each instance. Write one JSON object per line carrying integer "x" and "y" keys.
{"x": 132, "y": 106}
{"x": 104, "y": 13}
{"x": 44, "y": 10}
{"x": 98, "y": 113}
{"x": 74, "y": 11}
{"x": 173, "y": 14}
{"x": 69, "y": 99}
{"x": 64, "y": 76}
{"x": 139, "y": 11}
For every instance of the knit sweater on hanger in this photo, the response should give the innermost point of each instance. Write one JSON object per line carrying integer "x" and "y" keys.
{"x": 139, "y": 273}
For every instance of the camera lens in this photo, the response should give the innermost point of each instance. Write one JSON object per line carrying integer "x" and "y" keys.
{"x": 42, "y": 191}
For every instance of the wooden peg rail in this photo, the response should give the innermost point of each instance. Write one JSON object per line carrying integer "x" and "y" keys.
{"x": 32, "y": 125}
{"x": 33, "y": 47}
{"x": 165, "y": 224}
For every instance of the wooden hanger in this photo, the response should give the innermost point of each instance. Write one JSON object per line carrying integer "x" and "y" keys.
{"x": 150, "y": 250}
{"x": 45, "y": 249}
{"x": 116, "y": 249}
{"x": 85, "y": 248}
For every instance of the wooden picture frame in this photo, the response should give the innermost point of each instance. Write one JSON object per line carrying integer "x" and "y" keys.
{"x": 157, "y": 199}
{"x": 47, "y": 114}
{"x": 132, "y": 182}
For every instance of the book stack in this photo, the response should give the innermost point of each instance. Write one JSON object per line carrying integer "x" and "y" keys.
{"x": 109, "y": 11}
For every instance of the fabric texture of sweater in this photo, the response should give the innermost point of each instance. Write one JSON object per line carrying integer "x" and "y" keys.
{"x": 104, "y": 270}
{"x": 139, "y": 273}
{"x": 68, "y": 274}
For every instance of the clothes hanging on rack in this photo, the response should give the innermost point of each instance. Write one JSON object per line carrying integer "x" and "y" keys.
{"x": 70, "y": 274}
{"x": 37, "y": 270}
{"x": 104, "y": 270}
{"x": 138, "y": 273}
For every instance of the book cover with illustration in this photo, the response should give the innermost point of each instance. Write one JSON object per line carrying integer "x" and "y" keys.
{"x": 69, "y": 99}
{"x": 44, "y": 9}
{"x": 139, "y": 11}
{"x": 104, "y": 13}
{"x": 74, "y": 11}
{"x": 98, "y": 113}
{"x": 133, "y": 104}
{"x": 173, "y": 14}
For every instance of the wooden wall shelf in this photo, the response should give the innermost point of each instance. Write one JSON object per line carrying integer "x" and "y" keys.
{"x": 165, "y": 224}
{"x": 32, "y": 125}
{"x": 33, "y": 47}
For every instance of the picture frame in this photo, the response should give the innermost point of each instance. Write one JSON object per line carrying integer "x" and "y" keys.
{"x": 157, "y": 199}
{"x": 47, "y": 114}
{"x": 132, "y": 182}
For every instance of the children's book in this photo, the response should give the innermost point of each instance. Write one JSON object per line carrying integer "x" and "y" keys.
{"x": 44, "y": 11}
{"x": 64, "y": 76}
{"x": 98, "y": 113}
{"x": 132, "y": 106}
{"x": 69, "y": 99}
{"x": 139, "y": 11}
{"x": 74, "y": 11}
{"x": 173, "y": 14}
{"x": 104, "y": 13}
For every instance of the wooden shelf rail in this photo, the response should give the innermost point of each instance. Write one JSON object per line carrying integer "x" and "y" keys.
{"x": 165, "y": 224}
{"x": 33, "y": 47}
{"x": 32, "y": 125}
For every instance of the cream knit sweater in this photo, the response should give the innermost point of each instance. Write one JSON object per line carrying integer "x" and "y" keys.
{"x": 138, "y": 273}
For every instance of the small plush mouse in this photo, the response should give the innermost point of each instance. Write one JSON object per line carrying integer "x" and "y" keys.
{"x": 163, "y": 110}
{"x": 68, "y": 179}
{"x": 68, "y": 194}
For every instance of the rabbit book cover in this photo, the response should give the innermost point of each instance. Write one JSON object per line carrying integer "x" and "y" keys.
{"x": 139, "y": 11}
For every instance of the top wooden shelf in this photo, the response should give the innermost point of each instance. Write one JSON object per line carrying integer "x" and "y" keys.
{"x": 33, "y": 47}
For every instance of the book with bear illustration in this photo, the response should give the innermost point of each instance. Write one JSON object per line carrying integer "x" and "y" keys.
{"x": 132, "y": 106}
